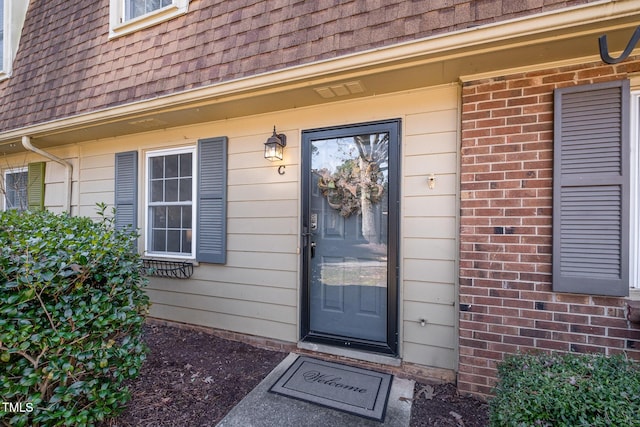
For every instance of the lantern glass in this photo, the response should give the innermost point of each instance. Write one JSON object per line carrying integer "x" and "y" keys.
{"x": 274, "y": 147}
{"x": 273, "y": 151}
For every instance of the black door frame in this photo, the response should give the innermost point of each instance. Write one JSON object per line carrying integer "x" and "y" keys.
{"x": 393, "y": 127}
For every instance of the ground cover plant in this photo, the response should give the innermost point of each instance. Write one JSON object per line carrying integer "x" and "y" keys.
{"x": 72, "y": 307}
{"x": 566, "y": 390}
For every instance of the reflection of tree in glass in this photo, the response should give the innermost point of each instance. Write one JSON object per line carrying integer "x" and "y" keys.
{"x": 358, "y": 183}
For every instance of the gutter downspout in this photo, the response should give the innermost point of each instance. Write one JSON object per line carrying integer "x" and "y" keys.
{"x": 26, "y": 143}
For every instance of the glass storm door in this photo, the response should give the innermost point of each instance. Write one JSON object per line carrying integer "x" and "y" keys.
{"x": 350, "y": 224}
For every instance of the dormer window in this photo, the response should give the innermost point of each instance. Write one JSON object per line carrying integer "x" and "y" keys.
{"x": 12, "y": 13}
{"x": 136, "y": 8}
{"x": 2, "y": 22}
{"x": 127, "y": 16}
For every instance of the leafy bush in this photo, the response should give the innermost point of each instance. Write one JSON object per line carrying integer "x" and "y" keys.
{"x": 71, "y": 312}
{"x": 566, "y": 390}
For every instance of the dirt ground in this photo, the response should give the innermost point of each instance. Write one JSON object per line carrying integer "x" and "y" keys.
{"x": 191, "y": 378}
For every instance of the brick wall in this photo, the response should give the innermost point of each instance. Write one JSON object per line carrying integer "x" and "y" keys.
{"x": 505, "y": 244}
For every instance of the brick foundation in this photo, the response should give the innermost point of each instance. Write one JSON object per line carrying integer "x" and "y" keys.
{"x": 505, "y": 242}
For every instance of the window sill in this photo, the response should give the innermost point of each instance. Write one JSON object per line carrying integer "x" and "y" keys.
{"x": 145, "y": 21}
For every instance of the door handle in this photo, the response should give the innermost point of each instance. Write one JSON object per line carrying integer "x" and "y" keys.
{"x": 313, "y": 249}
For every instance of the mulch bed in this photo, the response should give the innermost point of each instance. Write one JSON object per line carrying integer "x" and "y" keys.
{"x": 192, "y": 378}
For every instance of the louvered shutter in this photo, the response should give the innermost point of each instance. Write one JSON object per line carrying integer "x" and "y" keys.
{"x": 35, "y": 186}
{"x": 211, "y": 245}
{"x": 126, "y": 189}
{"x": 590, "y": 189}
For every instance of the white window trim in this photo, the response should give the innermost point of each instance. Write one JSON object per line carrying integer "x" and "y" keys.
{"x": 634, "y": 240}
{"x": 147, "y": 239}
{"x": 119, "y": 27}
{"x": 5, "y": 60}
{"x": 4, "y": 183}
{"x": 12, "y": 23}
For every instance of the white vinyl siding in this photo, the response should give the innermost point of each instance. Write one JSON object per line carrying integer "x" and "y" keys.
{"x": 256, "y": 291}
{"x": 429, "y": 243}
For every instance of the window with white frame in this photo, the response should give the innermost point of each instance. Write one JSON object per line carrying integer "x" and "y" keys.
{"x": 634, "y": 264}
{"x": 170, "y": 203}
{"x": 12, "y": 15}
{"x": 136, "y": 8}
{"x": 127, "y": 16}
{"x": 15, "y": 189}
{"x": 2, "y": 41}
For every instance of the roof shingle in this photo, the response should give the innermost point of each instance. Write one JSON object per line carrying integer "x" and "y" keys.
{"x": 67, "y": 65}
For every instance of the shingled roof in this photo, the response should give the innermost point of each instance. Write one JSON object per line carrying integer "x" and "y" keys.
{"x": 67, "y": 65}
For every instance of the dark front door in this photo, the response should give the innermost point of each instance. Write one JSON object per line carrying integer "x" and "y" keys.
{"x": 350, "y": 235}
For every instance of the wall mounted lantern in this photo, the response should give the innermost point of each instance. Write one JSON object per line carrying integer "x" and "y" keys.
{"x": 274, "y": 147}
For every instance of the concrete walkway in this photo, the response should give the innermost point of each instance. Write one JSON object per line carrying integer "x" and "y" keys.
{"x": 263, "y": 409}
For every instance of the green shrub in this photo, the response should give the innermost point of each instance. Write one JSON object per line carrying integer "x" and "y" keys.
{"x": 566, "y": 390}
{"x": 71, "y": 312}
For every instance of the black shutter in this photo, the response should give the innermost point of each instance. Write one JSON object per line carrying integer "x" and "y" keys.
{"x": 591, "y": 189}
{"x": 126, "y": 189}
{"x": 211, "y": 240}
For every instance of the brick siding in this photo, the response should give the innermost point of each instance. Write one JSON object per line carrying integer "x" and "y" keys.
{"x": 505, "y": 242}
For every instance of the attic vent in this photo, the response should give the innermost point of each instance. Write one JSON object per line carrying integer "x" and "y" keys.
{"x": 342, "y": 89}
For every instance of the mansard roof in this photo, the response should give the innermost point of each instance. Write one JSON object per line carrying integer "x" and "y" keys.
{"x": 67, "y": 65}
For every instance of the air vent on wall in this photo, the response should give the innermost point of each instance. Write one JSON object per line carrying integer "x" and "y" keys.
{"x": 340, "y": 89}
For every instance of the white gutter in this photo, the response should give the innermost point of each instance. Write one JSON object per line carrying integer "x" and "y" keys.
{"x": 26, "y": 143}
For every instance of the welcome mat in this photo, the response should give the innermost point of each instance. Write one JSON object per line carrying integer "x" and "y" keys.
{"x": 353, "y": 390}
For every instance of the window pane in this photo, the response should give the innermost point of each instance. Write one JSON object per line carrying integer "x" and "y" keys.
{"x": 186, "y": 241}
{"x": 185, "y": 189}
{"x": 152, "y": 5}
{"x": 159, "y": 217}
{"x": 185, "y": 165}
{"x": 171, "y": 190}
{"x": 174, "y": 217}
{"x": 159, "y": 241}
{"x": 157, "y": 191}
{"x": 171, "y": 166}
{"x": 173, "y": 240}
{"x": 16, "y": 190}
{"x": 135, "y": 8}
{"x": 186, "y": 217}
{"x": 157, "y": 167}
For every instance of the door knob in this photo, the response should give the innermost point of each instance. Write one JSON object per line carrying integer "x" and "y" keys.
{"x": 313, "y": 249}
